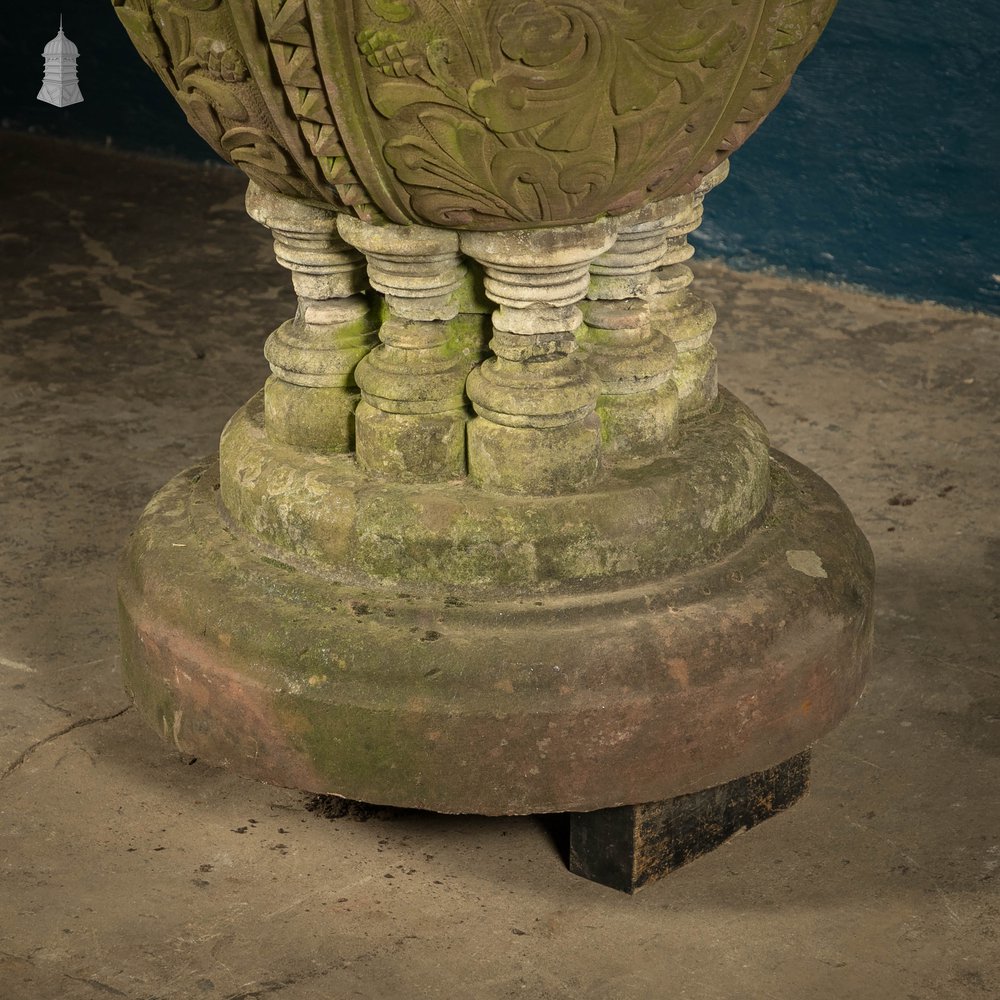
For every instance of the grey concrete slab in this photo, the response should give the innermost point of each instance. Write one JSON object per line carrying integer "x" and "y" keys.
{"x": 136, "y": 301}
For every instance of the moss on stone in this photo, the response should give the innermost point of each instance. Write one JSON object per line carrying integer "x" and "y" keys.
{"x": 320, "y": 419}
{"x": 632, "y": 524}
{"x": 440, "y": 698}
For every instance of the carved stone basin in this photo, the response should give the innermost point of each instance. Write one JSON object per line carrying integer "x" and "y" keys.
{"x": 489, "y": 115}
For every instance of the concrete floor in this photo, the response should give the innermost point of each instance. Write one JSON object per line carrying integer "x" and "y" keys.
{"x": 137, "y": 297}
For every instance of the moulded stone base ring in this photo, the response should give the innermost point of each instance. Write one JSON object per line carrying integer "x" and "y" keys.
{"x": 442, "y": 699}
{"x": 326, "y": 515}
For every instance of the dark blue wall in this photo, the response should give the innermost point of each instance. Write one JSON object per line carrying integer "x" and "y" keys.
{"x": 880, "y": 167}
{"x": 882, "y": 164}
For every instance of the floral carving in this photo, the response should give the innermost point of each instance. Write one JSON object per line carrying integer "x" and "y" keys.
{"x": 391, "y": 10}
{"x": 220, "y": 61}
{"x": 480, "y": 114}
{"x": 522, "y": 112}
{"x": 539, "y": 35}
{"x": 188, "y": 43}
{"x": 261, "y": 158}
{"x": 389, "y": 53}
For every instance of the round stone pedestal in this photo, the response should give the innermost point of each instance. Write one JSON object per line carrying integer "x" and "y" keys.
{"x": 520, "y": 555}
{"x": 677, "y": 656}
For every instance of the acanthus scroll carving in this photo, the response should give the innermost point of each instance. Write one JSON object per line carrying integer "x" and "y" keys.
{"x": 476, "y": 114}
{"x": 191, "y": 46}
{"x": 521, "y": 112}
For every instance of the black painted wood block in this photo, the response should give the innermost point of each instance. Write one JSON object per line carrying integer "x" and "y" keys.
{"x": 628, "y": 847}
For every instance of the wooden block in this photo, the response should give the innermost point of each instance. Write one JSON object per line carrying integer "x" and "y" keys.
{"x": 630, "y": 846}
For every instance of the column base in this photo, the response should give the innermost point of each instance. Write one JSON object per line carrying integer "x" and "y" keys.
{"x": 629, "y": 847}
{"x": 697, "y": 501}
{"x": 411, "y": 447}
{"x": 317, "y": 418}
{"x": 534, "y": 460}
{"x": 696, "y": 376}
{"x": 638, "y": 427}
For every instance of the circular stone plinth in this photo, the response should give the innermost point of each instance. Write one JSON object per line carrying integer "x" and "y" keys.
{"x": 452, "y": 700}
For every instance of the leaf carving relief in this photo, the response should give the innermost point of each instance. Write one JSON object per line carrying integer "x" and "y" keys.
{"x": 526, "y": 112}
{"x": 190, "y": 44}
{"x": 476, "y": 114}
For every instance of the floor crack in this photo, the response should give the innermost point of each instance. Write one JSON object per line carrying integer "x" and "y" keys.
{"x": 262, "y": 989}
{"x": 96, "y": 983}
{"x": 255, "y": 991}
{"x": 29, "y": 960}
{"x": 56, "y": 708}
{"x": 79, "y": 724}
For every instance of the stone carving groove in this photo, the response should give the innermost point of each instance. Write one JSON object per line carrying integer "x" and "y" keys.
{"x": 292, "y": 45}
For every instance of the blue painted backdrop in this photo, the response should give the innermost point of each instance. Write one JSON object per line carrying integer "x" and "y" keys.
{"x": 880, "y": 167}
{"x": 882, "y": 164}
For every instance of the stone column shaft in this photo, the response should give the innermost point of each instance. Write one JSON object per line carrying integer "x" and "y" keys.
{"x": 634, "y": 361}
{"x": 535, "y": 430}
{"x": 677, "y": 311}
{"x": 411, "y": 420}
{"x": 309, "y": 399}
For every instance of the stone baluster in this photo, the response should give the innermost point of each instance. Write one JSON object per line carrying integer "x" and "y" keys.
{"x": 411, "y": 420}
{"x": 634, "y": 361}
{"x": 310, "y": 397}
{"x": 536, "y": 430}
{"x": 677, "y": 311}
